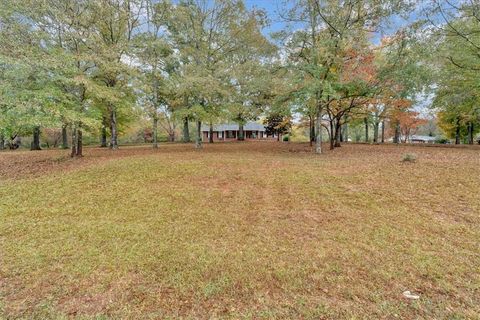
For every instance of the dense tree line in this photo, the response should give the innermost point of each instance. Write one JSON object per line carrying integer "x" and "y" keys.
{"x": 456, "y": 37}
{"x": 97, "y": 65}
{"x": 92, "y": 64}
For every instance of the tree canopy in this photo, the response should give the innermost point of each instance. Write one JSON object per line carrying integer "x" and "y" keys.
{"x": 98, "y": 65}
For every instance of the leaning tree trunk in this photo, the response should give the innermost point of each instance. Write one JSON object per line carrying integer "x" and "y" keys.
{"x": 113, "y": 129}
{"x": 383, "y": 131}
{"x": 210, "y": 134}
{"x": 318, "y": 132}
{"x": 186, "y": 132}
{"x": 64, "y": 137}
{"x": 198, "y": 136}
{"x": 365, "y": 120}
{"x": 155, "y": 132}
{"x": 36, "y": 139}
{"x": 240, "y": 136}
{"x": 470, "y": 133}
{"x": 103, "y": 141}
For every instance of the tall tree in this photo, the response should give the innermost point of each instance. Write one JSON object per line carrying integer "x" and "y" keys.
{"x": 114, "y": 24}
{"x": 319, "y": 50}
{"x": 208, "y": 35}
{"x": 153, "y": 54}
{"x": 455, "y": 39}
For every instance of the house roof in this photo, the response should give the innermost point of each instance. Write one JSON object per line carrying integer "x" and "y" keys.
{"x": 250, "y": 126}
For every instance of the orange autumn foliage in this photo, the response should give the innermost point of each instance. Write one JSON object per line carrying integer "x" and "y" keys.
{"x": 359, "y": 66}
{"x": 407, "y": 120}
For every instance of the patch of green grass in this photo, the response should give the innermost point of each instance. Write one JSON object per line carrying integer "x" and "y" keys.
{"x": 409, "y": 157}
{"x": 245, "y": 231}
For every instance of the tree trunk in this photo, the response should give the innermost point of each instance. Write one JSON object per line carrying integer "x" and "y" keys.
{"x": 73, "y": 153}
{"x": 396, "y": 137}
{"x": 365, "y": 120}
{"x": 312, "y": 129}
{"x": 457, "y": 134}
{"x": 332, "y": 134}
{"x": 64, "y": 137}
{"x": 318, "y": 132}
{"x": 79, "y": 142}
{"x": 345, "y": 131}
{"x": 36, "y": 139}
{"x": 198, "y": 137}
{"x": 470, "y": 133}
{"x": 155, "y": 132}
{"x": 338, "y": 134}
{"x": 186, "y": 133}
{"x": 2, "y": 141}
{"x": 13, "y": 143}
{"x": 210, "y": 133}
{"x": 383, "y": 131}
{"x": 376, "y": 127}
{"x": 113, "y": 130}
{"x": 241, "y": 136}
{"x": 103, "y": 142}
{"x": 406, "y": 136}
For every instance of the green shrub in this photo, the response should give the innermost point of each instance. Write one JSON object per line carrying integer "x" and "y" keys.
{"x": 409, "y": 157}
{"x": 442, "y": 140}
{"x": 286, "y": 138}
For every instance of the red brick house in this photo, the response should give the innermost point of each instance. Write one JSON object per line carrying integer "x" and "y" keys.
{"x": 228, "y": 132}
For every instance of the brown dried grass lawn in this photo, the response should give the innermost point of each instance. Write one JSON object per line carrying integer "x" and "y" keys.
{"x": 240, "y": 231}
